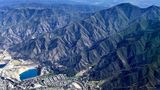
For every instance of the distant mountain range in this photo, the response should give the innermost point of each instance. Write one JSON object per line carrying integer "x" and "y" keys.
{"x": 118, "y": 47}
{"x": 104, "y": 3}
{"x": 48, "y": 2}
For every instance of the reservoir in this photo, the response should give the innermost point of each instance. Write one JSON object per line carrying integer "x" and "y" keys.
{"x": 29, "y": 74}
{"x": 2, "y": 65}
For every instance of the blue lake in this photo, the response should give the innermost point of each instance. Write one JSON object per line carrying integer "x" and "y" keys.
{"x": 2, "y": 65}
{"x": 29, "y": 74}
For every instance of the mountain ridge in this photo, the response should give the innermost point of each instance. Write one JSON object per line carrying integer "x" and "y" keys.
{"x": 118, "y": 47}
{"x": 73, "y": 24}
{"x": 22, "y": 23}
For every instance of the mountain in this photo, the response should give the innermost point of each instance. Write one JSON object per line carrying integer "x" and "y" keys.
{"x": 117, "y": 47}
{"x": 26, "y": 21}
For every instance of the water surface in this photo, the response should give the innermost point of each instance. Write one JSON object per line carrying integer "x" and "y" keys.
{"x": 29, "y": 74}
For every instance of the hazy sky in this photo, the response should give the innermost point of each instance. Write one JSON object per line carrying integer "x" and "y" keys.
{"x": 113, "y": 2}
{"x": 92, "y": 2}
